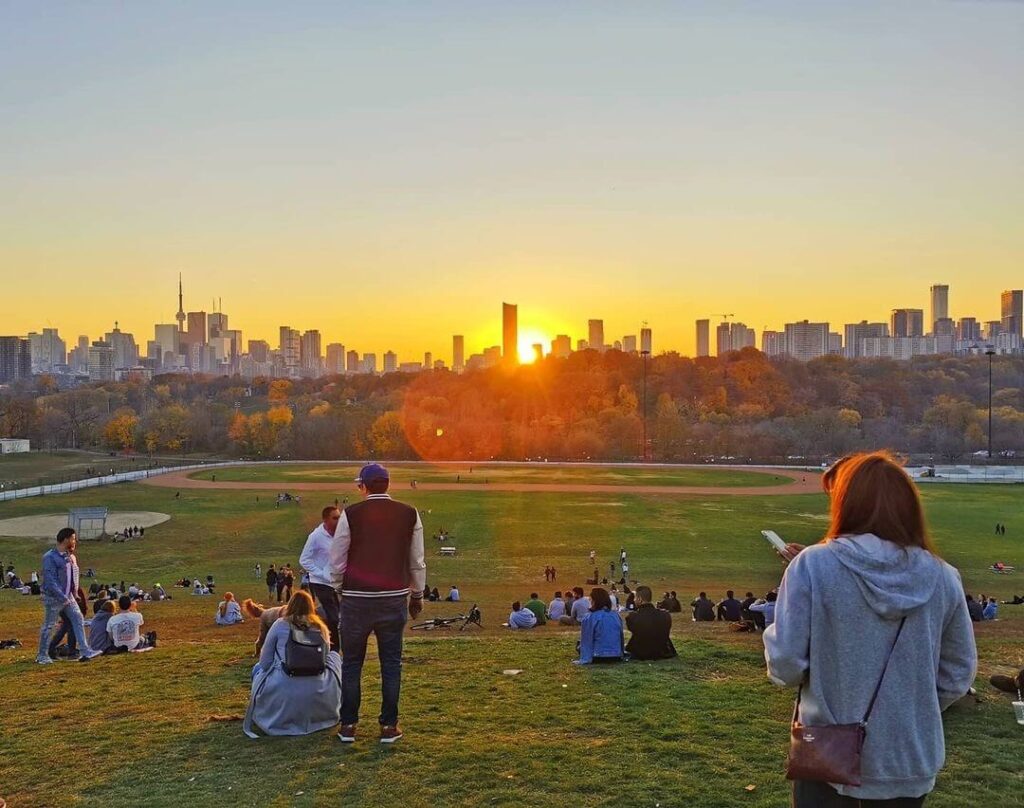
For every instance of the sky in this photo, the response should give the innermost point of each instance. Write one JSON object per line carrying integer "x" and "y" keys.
{"x": 389, "y": 173}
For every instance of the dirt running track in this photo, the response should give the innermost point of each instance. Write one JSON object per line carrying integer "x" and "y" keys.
{"x": 801, "y": 483}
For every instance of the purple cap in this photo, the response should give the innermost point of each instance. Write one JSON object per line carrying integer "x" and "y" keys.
{"x": 371, "y": 472}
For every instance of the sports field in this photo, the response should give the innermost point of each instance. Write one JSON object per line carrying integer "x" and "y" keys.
{"x": 696, "y": 731}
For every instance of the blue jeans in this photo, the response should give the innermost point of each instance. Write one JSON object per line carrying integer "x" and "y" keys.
{"x": 52, "y": 609}
{"x": 360, "y": 617}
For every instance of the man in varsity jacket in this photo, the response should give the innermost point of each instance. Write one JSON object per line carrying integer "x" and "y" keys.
{"x": 377, "y": 558}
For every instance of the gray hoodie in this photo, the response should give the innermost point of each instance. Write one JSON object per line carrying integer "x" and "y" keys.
{"x": 837, "y": 615}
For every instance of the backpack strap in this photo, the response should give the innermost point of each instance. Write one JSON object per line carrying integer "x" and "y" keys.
{"x": 878, "y": 687}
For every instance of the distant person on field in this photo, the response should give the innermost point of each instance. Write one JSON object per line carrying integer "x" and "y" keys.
{"x": 228, "y": 611}
{"x": 991, "y": 610}
{"x": 601, "y": 636}
{"x": 379, "y": 560}
{"x": 729, "y": 608}
{"x": 271, "y": 582}
{"x": 124, "y": 626}
{"x": 556, "y": 609}
{"x": 703, "y": 609}
{"x": 975, "y": 610}
{"x": 521, "y": 617}
{"x": 282, "y": 704}
{"x": 453, "y": 594}
{"x": 60, "y": 585}
{"x": 316, "y": 559}
{"x": 765, "y": 608}
{"x": 536, "y": 605}
{"x": 745, "y": 604}
{"x": 871, "y": 609}
{"x": 650, "y": 629}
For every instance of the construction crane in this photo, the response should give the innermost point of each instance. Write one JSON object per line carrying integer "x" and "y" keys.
{"x": 723, "y": 316}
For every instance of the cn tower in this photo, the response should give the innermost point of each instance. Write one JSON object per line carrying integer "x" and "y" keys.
{"x": 180, "y": 316}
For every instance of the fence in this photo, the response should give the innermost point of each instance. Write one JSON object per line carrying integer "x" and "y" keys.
{"x": 967, "y": 474}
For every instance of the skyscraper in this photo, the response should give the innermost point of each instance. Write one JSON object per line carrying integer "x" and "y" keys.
{"x": 126, "y": 352}
{"x": 335, "y": 358}
{"x": 509, "y": 332}
{"x": 561, "y": 346}
{"x": 538, "y": 352}
{"x": 458, "y": 353}
{"x": 907, "y": 323}
{"x": 47, "y": 350}
{"x": 595, "y": 335}
{"x": 290, "y": 348}
{"x": 645, "y": 341}
{"x": 390, "y": 362}
{"x": 806, "y": 340}
{"x": 629, "y": 343}
{"x": 723, "y": 339}
{"x": 15, "y": 360}
{"x": 259, "y": 350}
{"x": 968, "y": 329}
{"x": 196, "y": 334}
{"x": 703, "y": 338}
{"x": 101, "y": 362}
{"x": 352, "y": 364}
{"x": 310, "y": 354}
{"x": 940, "y": 304}
{"x": 1012, "y": 311}
{"x": 166, "y": 337}
{"x": 773, "y": 343}
{"x": 855, "y": 332}
{"x": 216, "y": 324}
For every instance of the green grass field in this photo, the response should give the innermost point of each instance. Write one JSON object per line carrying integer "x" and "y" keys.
{"x": 690, "y": 732}
{"x": 24, "y": 470}
{"x": 402, "y": 474}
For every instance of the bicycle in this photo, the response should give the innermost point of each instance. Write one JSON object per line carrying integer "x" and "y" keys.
{"x": 471, "y": 619}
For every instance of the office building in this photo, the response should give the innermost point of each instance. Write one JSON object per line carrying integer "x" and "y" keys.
{"x": 101, "y": 362}
{"x": 492, "y": 356}
{"x": 15, "y": 360}
{"x": 458, "y": 353}
{"x": 645, "y": 341}
{"x": 428, "y": 360}
{"x": 582, "y": 345}
{"x": 944, "y": 327}
{"x": 168, "y": 341}
{"x": 629, "y": 343}
{"x": 196, "y": 334}
{"x": 216, "y": 325}
{"x": 311, "y": 358}
{"x": 907, "y": 323}
{"x": 940, "y": 304}
{"x": 855, "y": 332}
{"x": 369, "y": 363}
{"x": 968, "y": 329}
{"x": 78, "y": 357}
{"x": 734, "y": 337}
{"x": 390, "y": 362}
{"x": 352, "y": 364}
{"x": 595, "y": 334}
{"x": 806, "y": 340}
{"x": 47, "y": 351}
{"x": 723, "y": 339}
{"x": 1012, "y": 311}
{"x": 509, "y": 333}
{"x": 561, "y": 346}
{"x": 259, "y": 350}
{"x": 290, "y": 347}
{"x": 703, "y": 338}
{"x": 835, "y": 343}
{"x": 335, "y": 358}
{"x": 126, "y": 352}
{"x": 993, "y": 328}
{"x": 773, "y": 343}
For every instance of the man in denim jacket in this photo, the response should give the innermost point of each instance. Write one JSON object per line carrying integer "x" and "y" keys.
{"x": 60, "y": 582}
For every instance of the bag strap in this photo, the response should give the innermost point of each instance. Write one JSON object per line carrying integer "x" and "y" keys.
{"x": 878, "y": 687}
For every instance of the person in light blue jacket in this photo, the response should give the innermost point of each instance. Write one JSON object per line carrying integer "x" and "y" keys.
{"x": 601, "y": 634}
{"x": 874, "y": 584}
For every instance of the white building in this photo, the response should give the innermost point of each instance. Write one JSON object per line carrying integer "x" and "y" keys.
{"x": 806, "y": 340}
{"x": 14, "y": 445}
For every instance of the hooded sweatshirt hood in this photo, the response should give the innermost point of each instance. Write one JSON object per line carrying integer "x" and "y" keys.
{"x": 894, "y": 580}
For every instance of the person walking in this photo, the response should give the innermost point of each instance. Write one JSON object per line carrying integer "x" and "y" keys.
{"x": 315, "y": 559}
{"x": 872, "y": 626}
{"x": 378, "y": 557}
{"x": 271, "y": 582}
{"x": 60, "y": 585}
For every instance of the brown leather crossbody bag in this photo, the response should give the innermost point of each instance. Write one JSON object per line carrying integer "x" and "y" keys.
{"x": 831, "y": 753}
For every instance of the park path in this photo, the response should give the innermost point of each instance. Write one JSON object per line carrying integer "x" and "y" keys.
{"x": 799, "y": 483}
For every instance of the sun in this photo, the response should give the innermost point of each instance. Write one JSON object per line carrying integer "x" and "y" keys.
{"x": 529, "y": 338}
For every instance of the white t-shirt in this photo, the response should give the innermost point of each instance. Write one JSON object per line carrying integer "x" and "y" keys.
{"x": 123, "y": 629}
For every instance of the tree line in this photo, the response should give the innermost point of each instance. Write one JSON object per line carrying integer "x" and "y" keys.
{"x": 589, "y": 406}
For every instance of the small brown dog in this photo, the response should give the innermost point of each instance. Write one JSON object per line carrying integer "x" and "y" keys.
{"x": 266, "y": 616}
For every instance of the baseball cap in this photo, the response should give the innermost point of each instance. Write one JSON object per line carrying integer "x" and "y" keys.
{"x": 371, "y": 472}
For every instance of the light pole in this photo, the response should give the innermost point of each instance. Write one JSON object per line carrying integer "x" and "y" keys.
{"x": 643, "y": 356}
{"x": 989, "y": 352}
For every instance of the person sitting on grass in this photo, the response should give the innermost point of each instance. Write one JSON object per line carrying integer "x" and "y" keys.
{"x": 453, "y": 594}
{"x": 729, "y": 609}
{"x": 649, "y": 628}
{"x": 556, "y": 609}
{"x": 580, "y": 607}
{"x": 703, "y": 609}
{"x": 601, "y": 635}
{"x": 283, "y": 704}
{"x": 765, "y": 608}
{"x": 991, "y": 610}
{"x": 123, "y": 628}
{"x": 521, "y": 617}
{"x": 975, "y": 610}
{"x": 99, "y": 637}
{"x": 536, "y": 605}
{"x": 228, "y": 611}
{"x": 266, "y": 616}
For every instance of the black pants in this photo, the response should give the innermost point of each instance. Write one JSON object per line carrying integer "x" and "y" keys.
{"x": 327, "y": 597}
{"x": 807, "y": 794}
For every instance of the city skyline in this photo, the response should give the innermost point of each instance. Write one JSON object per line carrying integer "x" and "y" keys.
{"x": 389, "y": 172}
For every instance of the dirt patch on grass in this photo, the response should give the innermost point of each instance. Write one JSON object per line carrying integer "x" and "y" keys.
{"x": 45, "y": 526}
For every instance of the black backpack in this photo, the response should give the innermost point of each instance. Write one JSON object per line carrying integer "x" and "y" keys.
{"x": 305, "y": 652}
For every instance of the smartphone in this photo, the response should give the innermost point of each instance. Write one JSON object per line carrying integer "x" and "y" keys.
{"x": 774, "y": 540}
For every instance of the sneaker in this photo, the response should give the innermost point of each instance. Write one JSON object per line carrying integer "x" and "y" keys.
{"x": 348, "y": 733}
{"x": 151, "y": 639}
{"x": 91, "y": 655}
{"x": 44, "y": 661}
{"x": 390, "y": 734}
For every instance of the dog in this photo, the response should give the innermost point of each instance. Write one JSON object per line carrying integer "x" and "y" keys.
{"x": 266, "y": 616}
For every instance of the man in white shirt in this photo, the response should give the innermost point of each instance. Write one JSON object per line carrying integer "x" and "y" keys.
{"x": 123, "y": 627}
{"x": 315, "y": 558}
{"x": 556, "y": 609}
